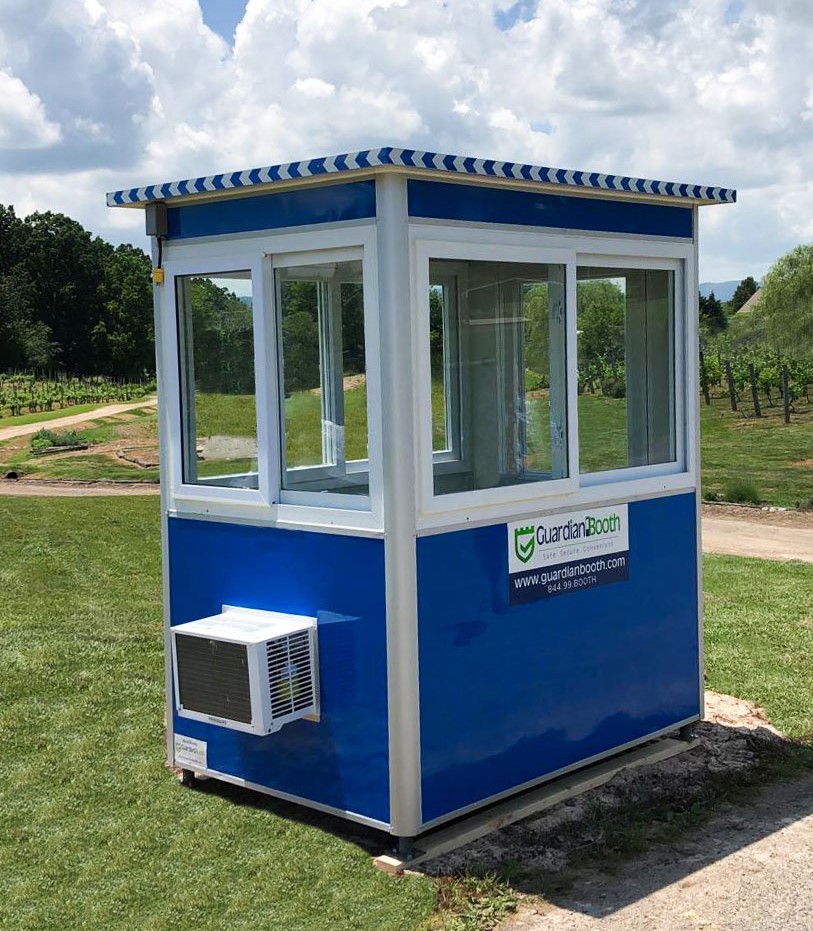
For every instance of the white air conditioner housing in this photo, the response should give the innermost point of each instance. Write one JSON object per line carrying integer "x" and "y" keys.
{"x": 245, "y": 669}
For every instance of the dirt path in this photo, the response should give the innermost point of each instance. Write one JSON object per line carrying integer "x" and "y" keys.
{"x": 63, "y": 489}
{"x": 749, "y": 869}
{"x": 9, "y": 433}
{"x": 743, "y": 531}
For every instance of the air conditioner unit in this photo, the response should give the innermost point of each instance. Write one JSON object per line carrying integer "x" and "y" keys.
{"x": 246, "y": 669}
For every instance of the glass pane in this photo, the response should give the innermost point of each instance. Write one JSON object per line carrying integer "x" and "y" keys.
{"x": 625, "y": 328}
{"x": 498, "y": 390}
{"x": 324, "y": 414}
{"x": 219, "y": 422}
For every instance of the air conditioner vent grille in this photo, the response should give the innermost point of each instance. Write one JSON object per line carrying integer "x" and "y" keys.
{"x": 213, "y": 677}
{"x": 290, "y": 673}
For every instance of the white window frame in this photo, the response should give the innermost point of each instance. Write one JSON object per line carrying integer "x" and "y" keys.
{"x": 207, "y": 493}
{"x": 455, "y": 249}
{"x": 427, "y": 237}
{"x": 321, "y": 498}
{"x": 356, "y": 515}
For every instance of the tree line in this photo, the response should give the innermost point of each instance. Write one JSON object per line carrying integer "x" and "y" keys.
{"x": 71, "y": 302}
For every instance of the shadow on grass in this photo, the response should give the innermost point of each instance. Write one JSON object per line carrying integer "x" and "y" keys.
{"x": 370, "y": 840}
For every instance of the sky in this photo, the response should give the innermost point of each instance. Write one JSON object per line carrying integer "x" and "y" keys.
{"x": 98, "y": 95}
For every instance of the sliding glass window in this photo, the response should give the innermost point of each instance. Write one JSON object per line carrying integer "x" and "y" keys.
{"x": 498, "y": 369}
{"x": 626, "y": 361}
{"x": 218, "y": 395}
{"x": 323, "y": 409}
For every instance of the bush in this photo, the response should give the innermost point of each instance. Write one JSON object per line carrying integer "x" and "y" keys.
{"x": 613, "y": 387}
{"x": 44, "y": 439}
{"x": 534, "y": 381}
{"x": 741, "y": 491}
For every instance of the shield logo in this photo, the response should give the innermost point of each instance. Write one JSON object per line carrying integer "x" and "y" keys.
{"x": 524, "y": 543}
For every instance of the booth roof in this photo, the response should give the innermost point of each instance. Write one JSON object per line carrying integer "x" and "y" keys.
{"x": 375, "y": 160}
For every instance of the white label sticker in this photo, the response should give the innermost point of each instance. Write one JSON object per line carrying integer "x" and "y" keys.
{"x": 190, "y": 752}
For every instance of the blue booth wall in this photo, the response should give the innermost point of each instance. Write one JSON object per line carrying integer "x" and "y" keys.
{"x": 342, "y": 761}
{"x": 509, "y": 694}
{"x": 445, "y": 200}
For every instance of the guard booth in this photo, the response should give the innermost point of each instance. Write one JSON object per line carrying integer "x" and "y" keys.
{"x": 430, "y": 486}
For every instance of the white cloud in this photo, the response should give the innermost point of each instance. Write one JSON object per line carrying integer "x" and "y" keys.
{"x": 713, "y": 91}
{"x": 23, "y": 123}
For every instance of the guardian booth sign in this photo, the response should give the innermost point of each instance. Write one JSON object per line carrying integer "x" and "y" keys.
{"x": 567, "y": 553}
{"x": 429, "y": 476}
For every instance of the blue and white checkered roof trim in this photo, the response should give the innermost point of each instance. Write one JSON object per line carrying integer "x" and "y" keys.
{"x": 389, "y": 157}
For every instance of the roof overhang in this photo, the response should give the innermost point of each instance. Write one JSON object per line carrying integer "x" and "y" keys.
{"x": 369, "y": 162}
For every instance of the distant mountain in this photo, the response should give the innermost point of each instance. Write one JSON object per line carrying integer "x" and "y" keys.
{"x": 723, "y": 290}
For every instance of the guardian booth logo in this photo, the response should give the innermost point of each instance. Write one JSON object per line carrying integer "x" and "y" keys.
{"x": 524, "y": 542}
{"x": 567, "y": 552}
{"x": 526, "y": 539}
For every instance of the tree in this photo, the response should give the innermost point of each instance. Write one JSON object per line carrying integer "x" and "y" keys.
{"x": 222, "y": 339}
{"x": 601, "y": 309}
{"x": 11, "y": 239}
{"x": 713, "y": 318}
{"x": 786, "y": 304}
{"x": 744, "y": 290}
{"x": 66, "y": 266}
{"x": 122, "y": 337}
{"x": 24, "y": 341}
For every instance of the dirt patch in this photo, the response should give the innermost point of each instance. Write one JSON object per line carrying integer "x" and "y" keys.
{"x": 757, "y": 514}
{"x": 70, "y": 420}
{"x": 75, "y": 489}
{"x": 144, "y": 456}
{"x": 734, "y": 739}
{"x": 349, "y": 383}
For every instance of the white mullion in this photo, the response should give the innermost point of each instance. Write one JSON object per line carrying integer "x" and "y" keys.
{"x": 270, "y": 436}
{"x": 572, "y": 368}
{"x": 337, "y": 376}
{"x": 326, "y": 372}
{"x": 559, "y": 375}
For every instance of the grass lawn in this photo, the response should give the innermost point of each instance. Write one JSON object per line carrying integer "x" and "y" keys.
{"x": 759, "y": 636}
{"x": 95, "y": 831}
{"x": 135, "y": 428}
{"x": 602, "y": 433}
{"x": 767, "y": 452}
{"x": 775, "y": 458}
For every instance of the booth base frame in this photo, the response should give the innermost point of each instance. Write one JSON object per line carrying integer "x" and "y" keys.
{"x": 477, "y": 825}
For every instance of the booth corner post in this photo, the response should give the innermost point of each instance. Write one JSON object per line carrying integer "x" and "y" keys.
{"x": 429, "y": 479}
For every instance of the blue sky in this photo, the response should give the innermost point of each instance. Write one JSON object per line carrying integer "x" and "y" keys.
{"x": 223, "y": 15}
{"x": 97, "y": 95}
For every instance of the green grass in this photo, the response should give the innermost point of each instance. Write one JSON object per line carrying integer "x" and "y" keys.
{"x": 759, "y": 636}
{"x": 602, "y": 433}
{"x": 303, "y": 435}
{"x": 225, "y": 414}
{"x": 95, "y": 833}
{"x": 84, "y": 467}
{"x": 767, "y": 452}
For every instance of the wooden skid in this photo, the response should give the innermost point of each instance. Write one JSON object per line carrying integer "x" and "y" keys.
{"x": 477, "y": 825}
